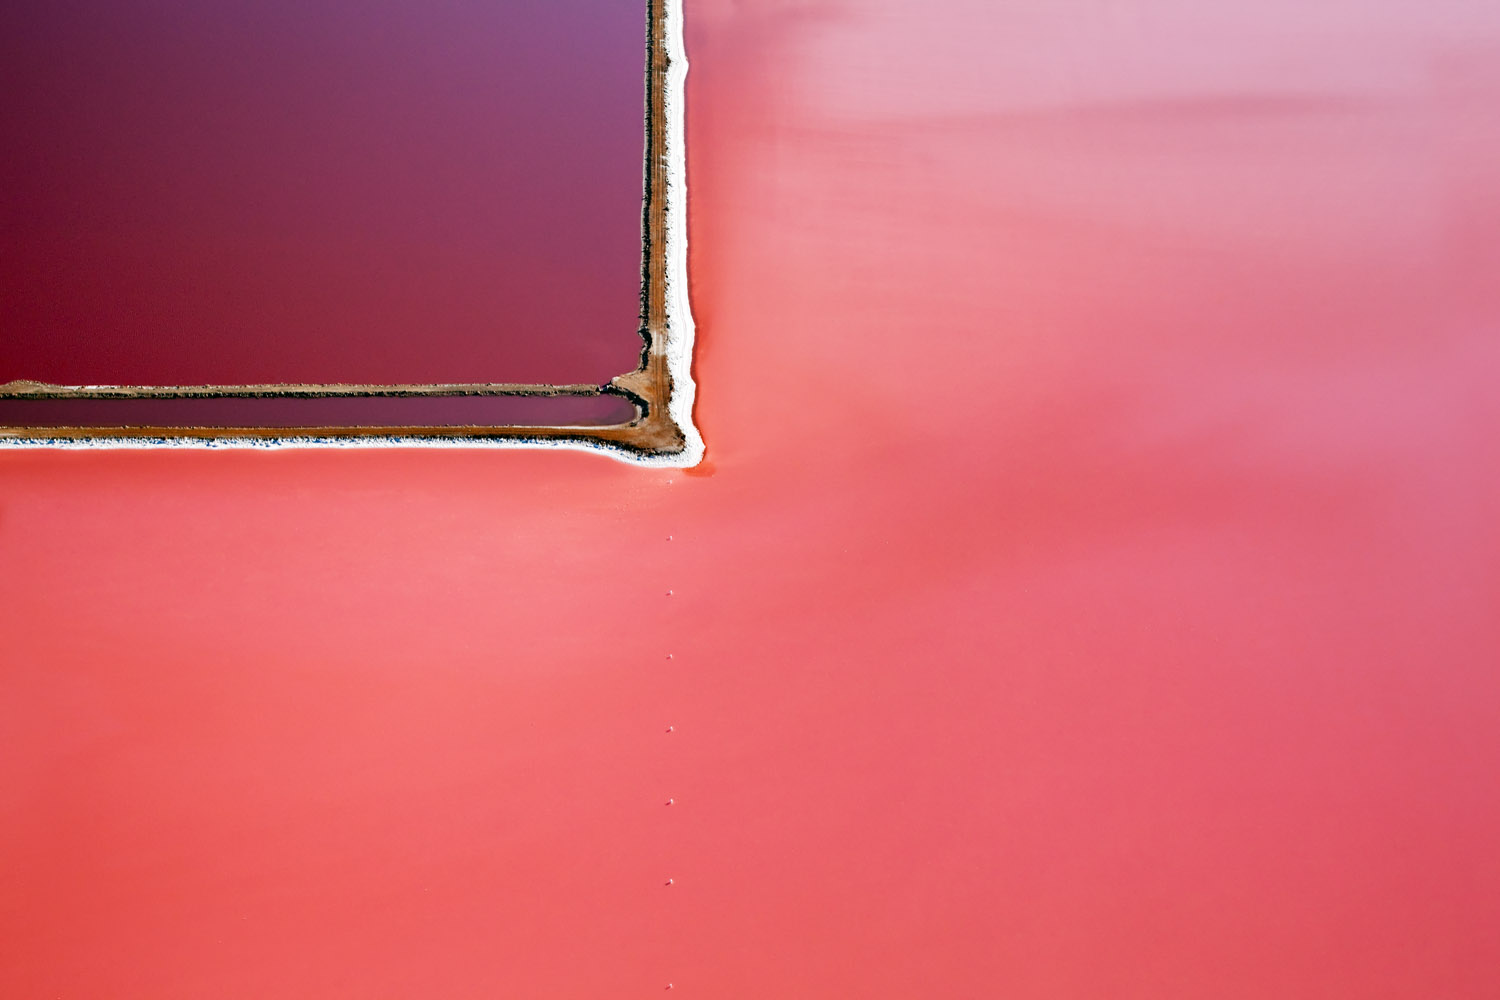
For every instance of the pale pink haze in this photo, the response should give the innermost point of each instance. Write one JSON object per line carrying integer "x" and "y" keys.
{"x": 1091, "y": 593}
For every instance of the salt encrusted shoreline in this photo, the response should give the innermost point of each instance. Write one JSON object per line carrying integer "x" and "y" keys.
{"x": 681, "y": 330}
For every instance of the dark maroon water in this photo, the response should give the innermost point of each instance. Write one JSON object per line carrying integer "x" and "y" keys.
{"x": 325, "y": 191}
{"x": 318, "y": 411}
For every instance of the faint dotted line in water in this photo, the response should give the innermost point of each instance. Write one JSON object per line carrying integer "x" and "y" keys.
{"x": 669, "y": 731}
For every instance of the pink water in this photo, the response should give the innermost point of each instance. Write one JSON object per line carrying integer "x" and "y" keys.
{"x": 1091, "y": 592}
